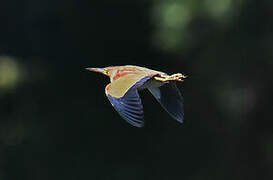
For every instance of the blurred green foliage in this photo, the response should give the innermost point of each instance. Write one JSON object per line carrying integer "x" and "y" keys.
{"x": 9, "y": 73}
{"x": 173, "y": 19}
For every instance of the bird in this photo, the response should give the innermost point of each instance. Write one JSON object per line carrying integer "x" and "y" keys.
{"x": 127, "y": 80}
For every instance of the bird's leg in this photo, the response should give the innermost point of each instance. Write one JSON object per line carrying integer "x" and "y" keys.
{"x": 174, "y": 77}
{"x": 160, "y": 79}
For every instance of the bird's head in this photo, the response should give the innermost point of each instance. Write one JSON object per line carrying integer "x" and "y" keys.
{"x": 114, "y": 72}
{"x": 104, "y": 71}
{"x": 108, "y": 71}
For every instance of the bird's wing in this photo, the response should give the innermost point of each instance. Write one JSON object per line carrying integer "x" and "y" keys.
{"x": 170, "y": 99}
{"x": 129, "y": 105}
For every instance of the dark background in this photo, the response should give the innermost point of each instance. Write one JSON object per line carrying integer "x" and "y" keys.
{"x": 56, "y": 122}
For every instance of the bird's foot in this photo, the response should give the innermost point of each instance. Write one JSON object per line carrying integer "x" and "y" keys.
{"x": 174, "y": 77}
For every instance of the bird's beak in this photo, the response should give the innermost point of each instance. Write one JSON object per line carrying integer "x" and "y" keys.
{"x": 100, "y": 70}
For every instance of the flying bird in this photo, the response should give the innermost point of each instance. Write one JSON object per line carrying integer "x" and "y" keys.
{"x": 127, "y": 80}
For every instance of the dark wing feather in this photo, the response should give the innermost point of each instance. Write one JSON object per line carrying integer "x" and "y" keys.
{"x": 130, "y": 106}
{"x": 170, "y": 99}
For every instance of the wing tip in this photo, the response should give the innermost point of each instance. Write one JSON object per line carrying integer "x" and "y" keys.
{"x": 138, "y": 125}
{"x": 134, "y": 122}
{"x": 180, "y": 119}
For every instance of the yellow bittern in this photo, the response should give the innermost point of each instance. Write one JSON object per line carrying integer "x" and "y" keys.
{"x": 122, "y": 92}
